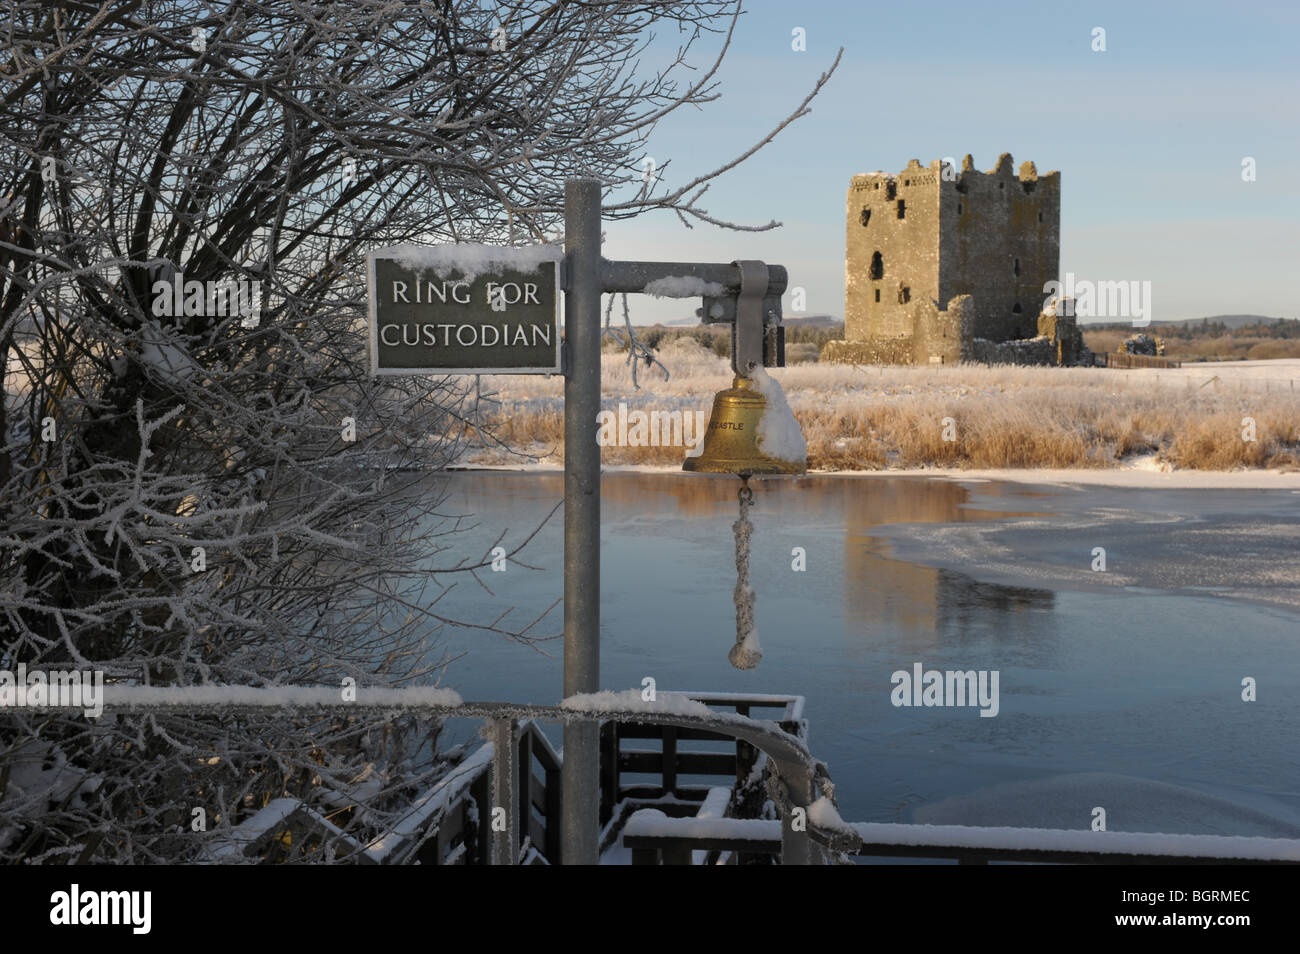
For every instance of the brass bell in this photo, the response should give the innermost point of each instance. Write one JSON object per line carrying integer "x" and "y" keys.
{"x": 731, "y": 439}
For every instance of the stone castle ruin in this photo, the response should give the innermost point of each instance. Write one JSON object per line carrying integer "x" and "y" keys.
{"x": 944, "y": 266}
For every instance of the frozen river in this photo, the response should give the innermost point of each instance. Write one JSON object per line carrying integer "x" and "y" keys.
{"x": 1119, "y": 688}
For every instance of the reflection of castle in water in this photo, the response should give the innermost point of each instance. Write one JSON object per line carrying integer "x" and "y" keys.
{"x": 927, "y": 605}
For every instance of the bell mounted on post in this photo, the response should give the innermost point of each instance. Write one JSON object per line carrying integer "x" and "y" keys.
{"x": 751, "y": 431}
{"x": 732, "y": 439}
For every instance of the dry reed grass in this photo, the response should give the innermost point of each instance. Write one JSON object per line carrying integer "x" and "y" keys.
{"x": 873, "y": 418}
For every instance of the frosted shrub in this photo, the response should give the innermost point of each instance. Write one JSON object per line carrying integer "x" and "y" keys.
{"x": 194, "y": 497}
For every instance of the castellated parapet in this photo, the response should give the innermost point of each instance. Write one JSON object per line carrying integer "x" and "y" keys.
{"x": 938, "y": 259}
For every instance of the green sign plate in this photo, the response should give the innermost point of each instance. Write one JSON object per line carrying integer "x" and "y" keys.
{"x": 462, "y": 309}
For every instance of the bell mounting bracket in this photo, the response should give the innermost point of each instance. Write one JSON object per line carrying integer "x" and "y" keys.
{"x": 750, "y": 302}
{"x": 754, "y": 313}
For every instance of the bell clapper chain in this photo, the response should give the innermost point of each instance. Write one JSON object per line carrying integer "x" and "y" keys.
{"x": 746, "y": 653}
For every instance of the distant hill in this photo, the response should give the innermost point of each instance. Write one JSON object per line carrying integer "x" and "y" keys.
{"x": 812, "y": 321}
{"x": 1229, "y": 321}
{"x": 792, "y": 321}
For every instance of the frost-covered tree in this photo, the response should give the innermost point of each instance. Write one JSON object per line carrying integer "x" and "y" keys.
{"x": 202, "y": 497}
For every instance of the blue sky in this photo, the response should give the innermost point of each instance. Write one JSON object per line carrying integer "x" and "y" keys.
{"x": 1149, "y": 137}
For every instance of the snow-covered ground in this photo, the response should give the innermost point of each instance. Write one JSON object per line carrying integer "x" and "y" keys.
{"x": 1279, "y": 374}
{"x": 1137, "y": 472}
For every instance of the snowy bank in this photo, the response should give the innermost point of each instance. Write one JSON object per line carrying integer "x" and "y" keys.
{"x": 1115, "y": 477}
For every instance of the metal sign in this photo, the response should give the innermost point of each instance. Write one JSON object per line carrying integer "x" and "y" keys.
{"x": 464, "y": 309}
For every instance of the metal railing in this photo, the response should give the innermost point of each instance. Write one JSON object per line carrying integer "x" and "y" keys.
{"x": 502, "y": 804}
{"x": 517, "y": 745}
{"x": 657, "y": 839}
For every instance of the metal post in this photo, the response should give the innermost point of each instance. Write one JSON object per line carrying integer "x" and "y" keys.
{"x": 505, "y": 790}
{"x": 580, "y": 781}
{"x": 797, "y": 847}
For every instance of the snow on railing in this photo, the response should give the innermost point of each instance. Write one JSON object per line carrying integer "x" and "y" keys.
{"x": 792, "y": 705}
{"x": 630, "y": 702}
{"x": 278, "y": 815}
{"x": 649, "y": 826}
{"x": 275, "y": 697}
{"x": 1052, "y": 840}
{"x": 429, "y": 808}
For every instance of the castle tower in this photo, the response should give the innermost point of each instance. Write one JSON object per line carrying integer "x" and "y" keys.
{"x": 918, "y": 240}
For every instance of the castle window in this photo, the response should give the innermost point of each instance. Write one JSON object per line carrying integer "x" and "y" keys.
{"x": 877, "y": 294}
{"x": 959, "y": 208}
{"x": 1016, "y": 268}
{"x": 1040, "y": 216}
{"x": 902, "y": 209}
{"x": 891, "y": 190}
{"x": 907, "y": 182}
{"x": 877, "y": 185}
{"x": 904, "y": 294}
{"x": 866, "y": 216}
{"x": 877, "y": 266}
{"x": 1015, "y": 309}
{"x": 1002, "y": 185}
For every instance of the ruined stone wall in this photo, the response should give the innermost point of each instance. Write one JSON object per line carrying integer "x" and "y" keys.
{"x": 999, "y": 241}
{"x": 947, "y": 337}
{"x": 895, "y": 217}
{"x": 870, "y": 351}
{"x": 944, "y": 337}
{"x": 1020, "y": 351}
{"x": 941, "y": 337}
{"x": 1065, "y": 332}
